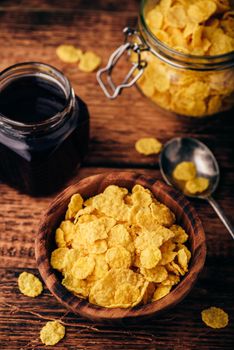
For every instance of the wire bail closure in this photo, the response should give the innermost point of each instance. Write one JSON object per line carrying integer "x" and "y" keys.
{"x": 110, "y": 89}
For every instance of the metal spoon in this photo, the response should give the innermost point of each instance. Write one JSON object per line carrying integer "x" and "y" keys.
{"x": 181, "y": 149}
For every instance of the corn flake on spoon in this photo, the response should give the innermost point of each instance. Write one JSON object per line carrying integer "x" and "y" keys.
{"x": 186, "y": 149}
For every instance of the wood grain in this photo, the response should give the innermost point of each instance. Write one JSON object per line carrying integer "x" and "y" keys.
{"x": 31, "y": 30}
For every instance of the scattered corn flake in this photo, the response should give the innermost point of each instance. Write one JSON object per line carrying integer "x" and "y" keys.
{"x": 52, "y": 333}
{"x": 185, "y": 171}
{"x": 68, "y": 53}
{"x": 89, "y": 62}
{"x": 215, "y": 317}
{"x": 148, "y": 146}
{"x": 197, "y": 185}
{"x": 29, "y": 284}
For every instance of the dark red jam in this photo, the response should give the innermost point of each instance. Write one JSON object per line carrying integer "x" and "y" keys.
{"x": 44, "y": 131}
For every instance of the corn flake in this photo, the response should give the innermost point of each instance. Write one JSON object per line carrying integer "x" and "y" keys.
{"x": 52, "y": 333}
{"x": 29, "y": 284}
{"x": 150, "y": 257}
{"x": 68, "y": 53}
{"x": 184, "y": 171}
{"x": 197, "y": 185}
{"x": 74, "y": 206}
{"x": 107, "y": 291}
{"x": 83, "y": 267}
{"x": 148, "y": 146}
{"x": 215, "y": 317}
{"x": 118, "y": 257}
{"x": 156, "y": 274}
{"x": 161, "y": 292}
{"x": 89, "y": 62}
{"x": 58, "y": 258}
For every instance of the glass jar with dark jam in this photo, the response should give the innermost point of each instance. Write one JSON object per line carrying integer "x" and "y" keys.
{"x": 44, "y": 128}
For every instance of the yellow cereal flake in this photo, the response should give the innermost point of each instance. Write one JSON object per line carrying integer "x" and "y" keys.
{"x": 182, "y": 259}
{"x": 120, "y": 248}
{"x": 77, "y": 286}
{"x": 58, "y": 258}
{"x": 150, "y": 257}
{"x": 156, "y": 274}
{"x": 215, "y": 317}
{"x": 148, "y": 146}
{"x": 96, "y": 229}
{"x": 89, "y": 62}
{"x": 197, "y": 185}
{"x": 65, "y": 233}
{"x": 74, "y": 206}
{"x": 176, "y": 16}
{"x": 83, "y": 267}
{"x": 161, "y": 292}
{"x": 185, "y": 171}
{"x": 29, "y": 284}
{"x": 68, "y": 53}
{"x": 119, "y": 235}
{"x": 201, "y": 10}
{"x": 118, "y": 257}
{"x": 171, "y": 280}
{"x": 162, "y": 214}
{"x": 107, "y": 291}
{"x": 98, "y": 247}
{"x": 180, "y": 235}
{"x": 52, "y": 333}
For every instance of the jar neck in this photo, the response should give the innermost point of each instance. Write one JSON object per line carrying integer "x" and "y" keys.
{"x": 176, "y": 58}
{"x": 44, "y": 71}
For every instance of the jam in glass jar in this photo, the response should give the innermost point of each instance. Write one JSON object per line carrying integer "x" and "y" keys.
{"x": 44, "y": 128}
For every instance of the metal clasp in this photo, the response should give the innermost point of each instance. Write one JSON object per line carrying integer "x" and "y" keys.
{"x": 133, "y": 42}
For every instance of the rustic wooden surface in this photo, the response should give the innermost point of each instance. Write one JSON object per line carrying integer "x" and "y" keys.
{"x": 30, "y": 30}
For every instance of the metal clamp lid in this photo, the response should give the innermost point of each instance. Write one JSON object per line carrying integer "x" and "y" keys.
{"x": 110, "y": 89}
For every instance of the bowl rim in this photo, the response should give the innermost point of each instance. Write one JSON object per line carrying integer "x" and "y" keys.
{"x": 82, "y": 306}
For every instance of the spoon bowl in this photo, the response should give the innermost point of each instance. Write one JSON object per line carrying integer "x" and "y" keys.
{"x": 187, "y": 149}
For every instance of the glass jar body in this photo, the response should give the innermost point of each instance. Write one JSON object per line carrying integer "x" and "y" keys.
{"x": 185, "y": 92}
{"x": 38, "y": 159}
{"x": 188, "y": 85}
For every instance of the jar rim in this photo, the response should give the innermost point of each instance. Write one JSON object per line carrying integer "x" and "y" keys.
{"x": 224, "y": 60}
{"x": 36, "y": 68}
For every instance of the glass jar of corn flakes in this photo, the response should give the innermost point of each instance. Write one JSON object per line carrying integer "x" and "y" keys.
{"x": 178, "y": 65}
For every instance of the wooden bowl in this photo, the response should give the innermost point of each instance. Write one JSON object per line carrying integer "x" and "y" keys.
{"x": 185, "y": 216}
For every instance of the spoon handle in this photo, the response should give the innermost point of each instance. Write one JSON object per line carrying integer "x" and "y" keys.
{"x": 221, "y": 215}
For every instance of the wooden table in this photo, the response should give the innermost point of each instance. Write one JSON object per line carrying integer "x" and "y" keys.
{"x": 31, "y": 30}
